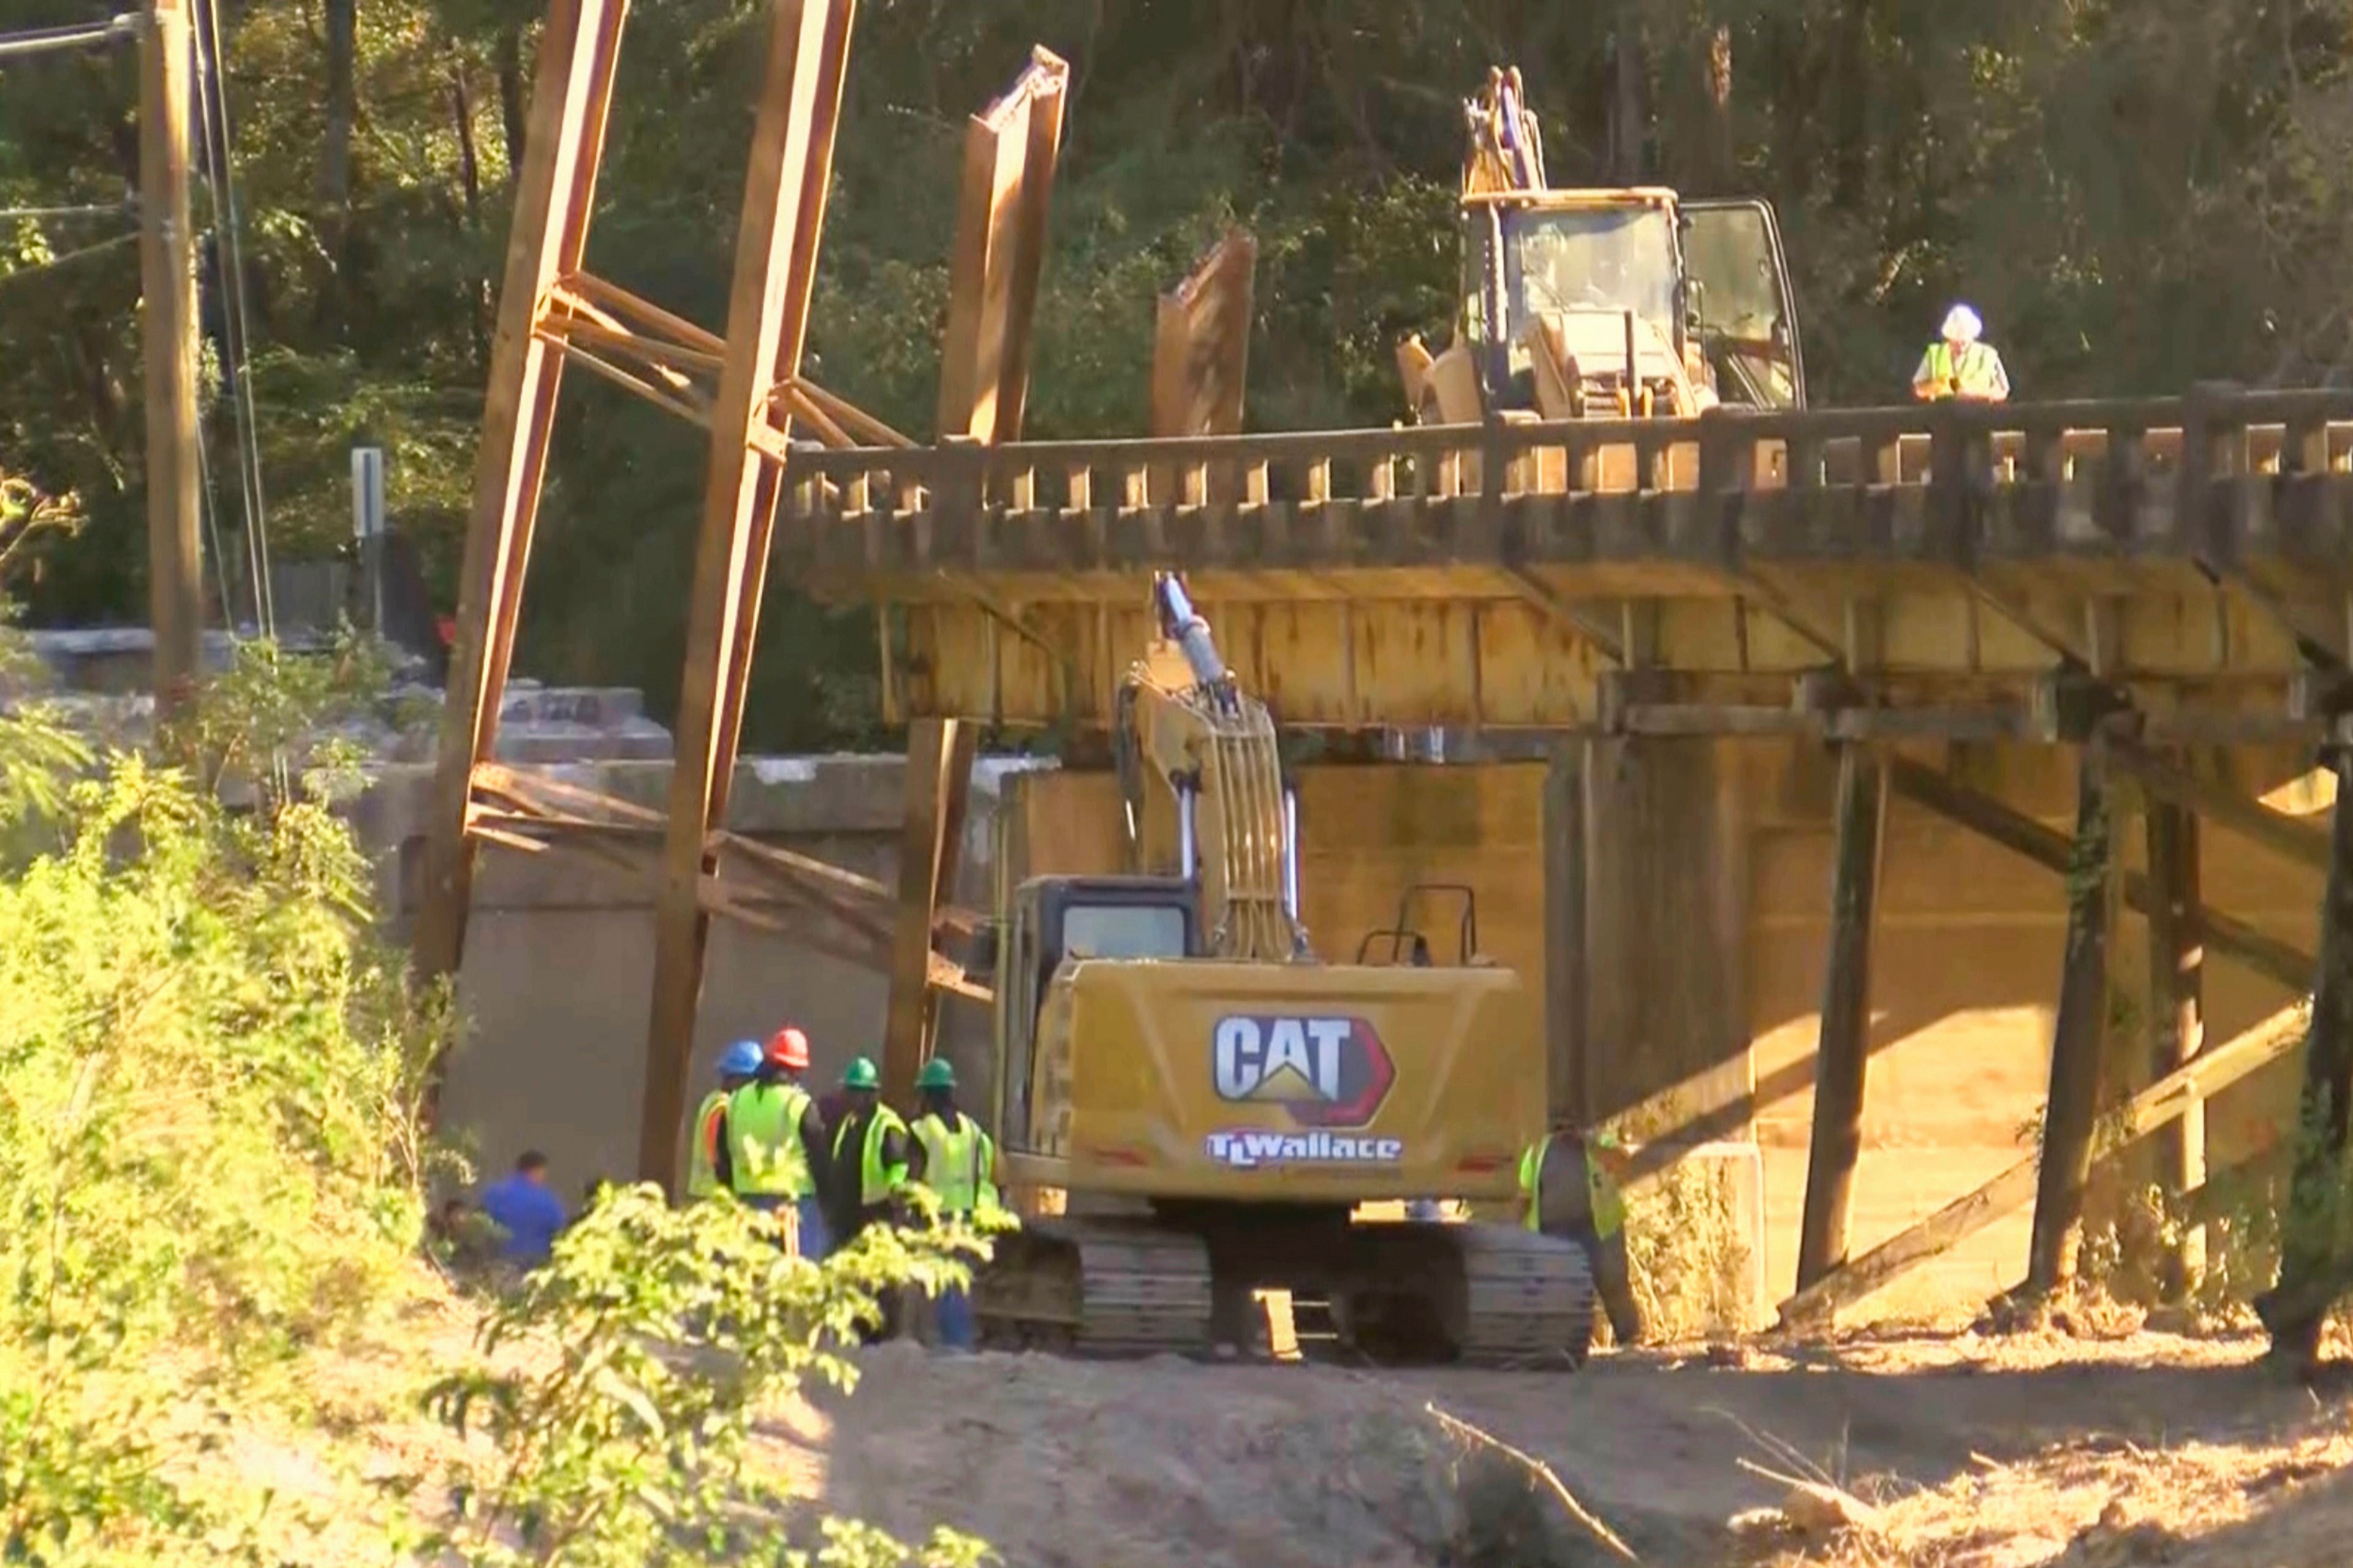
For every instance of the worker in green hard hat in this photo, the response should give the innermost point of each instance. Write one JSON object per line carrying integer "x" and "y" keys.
{"x": 1570, "y": 1179}
{"x": 957, "y": 1160}
{"x": 869, "y": 1165}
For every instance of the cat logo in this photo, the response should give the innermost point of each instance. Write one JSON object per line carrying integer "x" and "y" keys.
{"x": 1323, "y": 1072}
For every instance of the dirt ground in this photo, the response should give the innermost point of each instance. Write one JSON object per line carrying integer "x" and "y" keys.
{"x": 1977, "y": 1452}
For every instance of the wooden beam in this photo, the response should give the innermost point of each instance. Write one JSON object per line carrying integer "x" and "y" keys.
{"x": 767, "y": 322}
{"x": 1843, "y": 1054}
{"x": 2312, "y": 1269}
{"x": 2153, "y": 1107}
{"x": 2015, "y": 831}
{"x": 1567, "y": 956}
{"x": 2177, "y": 785}
{"x": 2070, "y": 1109}
{"x": 2176, "y": 970}
{"x": 168, "y": 326}
{"x": 939, "y": 784}
{"x": 555, "y": 190}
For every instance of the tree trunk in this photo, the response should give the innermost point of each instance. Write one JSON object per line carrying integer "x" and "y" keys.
{"x": 469, "y": 172}
{"x": 1851, "y": 158}
{"x": 511, "y": 99}
{"x": 1722, "y": 168}
{"x": 342, "y": 108}
{"x": 1627, "y": 131}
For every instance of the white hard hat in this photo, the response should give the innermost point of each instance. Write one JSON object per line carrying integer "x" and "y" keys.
{"x": 1961, "y": 325}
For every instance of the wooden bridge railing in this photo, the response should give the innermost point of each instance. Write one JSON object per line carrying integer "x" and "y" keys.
{"x": 2106, "y": 452}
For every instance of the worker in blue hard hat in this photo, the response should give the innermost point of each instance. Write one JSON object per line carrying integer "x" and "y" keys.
{"x": 738, "y": 1065}
{"x": 1960, "y": 364}
{"x": 957, "y": 1160}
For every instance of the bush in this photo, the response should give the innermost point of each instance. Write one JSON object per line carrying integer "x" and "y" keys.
{"x": 618, "y": 1387}
{"x": 209, "y": 1155}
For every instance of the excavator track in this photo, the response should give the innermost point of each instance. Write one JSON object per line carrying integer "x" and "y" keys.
{"x": 1097, "y": 1287}
{"x": 1528, "y": 1298}
{"x": 1472, "y": 1295}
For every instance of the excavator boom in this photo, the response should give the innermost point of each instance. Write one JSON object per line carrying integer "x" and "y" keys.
{"x": 1213, "y": 747}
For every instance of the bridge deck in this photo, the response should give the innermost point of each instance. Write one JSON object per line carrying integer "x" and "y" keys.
{"x": 1952, "y": 569}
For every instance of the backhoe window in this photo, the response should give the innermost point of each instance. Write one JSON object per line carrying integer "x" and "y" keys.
{"x": 1616, "y": 258}
{"x": 1741, "y": 302}
{"x": 1122, "y": 930}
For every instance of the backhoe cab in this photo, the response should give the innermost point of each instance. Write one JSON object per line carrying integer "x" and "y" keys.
{"x": 1599, "y": 304}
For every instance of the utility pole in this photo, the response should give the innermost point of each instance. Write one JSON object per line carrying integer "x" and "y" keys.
{"x": 168, "y": 277}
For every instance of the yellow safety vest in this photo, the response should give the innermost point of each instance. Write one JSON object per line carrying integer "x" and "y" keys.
{"x": 876, "y": 1182}
{"x": 1974, "y": 367}
{"x": 701, "y": 1157}
{"x": 766, "y": 1118}
{"x": 959, "y": 1165}
{"x": 1608, "y": 1206}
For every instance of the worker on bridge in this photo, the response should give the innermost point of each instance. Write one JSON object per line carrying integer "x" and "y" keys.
{"x": 957, "y": 1160}
{"x": 1959, "y": 365}
{"x": 773, "y": 1148}
{"x": 739, "y": 1064}
{"x": 1571, "y": 1193}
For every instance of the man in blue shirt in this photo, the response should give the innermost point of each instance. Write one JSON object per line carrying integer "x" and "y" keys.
{"x": 523, "y": 1208}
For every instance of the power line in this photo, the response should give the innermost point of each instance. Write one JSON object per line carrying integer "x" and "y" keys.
{"x": 212, "y": 98}
{"x": 120, "y": 209}
{"x": 82, "y": 36}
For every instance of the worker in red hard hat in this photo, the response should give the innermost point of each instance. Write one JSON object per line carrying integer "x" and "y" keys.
{"x": 775, "y": 1147}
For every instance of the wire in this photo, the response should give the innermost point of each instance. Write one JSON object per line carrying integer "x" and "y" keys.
{"x": 55, "y": 261}
{"x": 48, "y": 40}
{"x": 120, "y": 209}
{"x": 230, "y": 254}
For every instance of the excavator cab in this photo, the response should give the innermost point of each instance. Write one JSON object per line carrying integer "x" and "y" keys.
{"x": 1058, "y": 918}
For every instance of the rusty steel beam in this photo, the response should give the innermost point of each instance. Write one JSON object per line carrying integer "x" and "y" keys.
{"x": 785, "y": 193}
{"x": 1011, "y": 152}
{"x": 939, "y": 789}
{"x": 1200, "y": 348}
{"x": 570, "y": 98}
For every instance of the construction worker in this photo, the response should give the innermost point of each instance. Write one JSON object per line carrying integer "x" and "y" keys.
{"x": 773, "y": 1143}
{"x": 739, "y": 1064}
{"x": 1959, "y": 365}
{"x": 1571, "y": 1193}
{"x": 870, "y": 1160}
{"x": 957, "y": 1160}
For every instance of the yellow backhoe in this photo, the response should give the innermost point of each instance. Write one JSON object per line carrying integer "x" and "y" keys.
{"x": 1217, "y": 1103}
{"x": 1604, "y": 304}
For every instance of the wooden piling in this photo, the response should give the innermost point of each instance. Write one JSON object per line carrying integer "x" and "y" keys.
{"x": 2071, "y": 1111}
{"x": 1842, "y": 1058}
{"x": 2311, "y": 1274}
{"x": 2177, "y": 969}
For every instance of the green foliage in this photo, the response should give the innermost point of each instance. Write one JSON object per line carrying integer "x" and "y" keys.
{"x": 618, "y": 1386}
{"x": 209, "y": 1146}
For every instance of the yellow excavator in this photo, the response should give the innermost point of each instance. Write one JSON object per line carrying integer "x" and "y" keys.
{"x": 1606, "y": 303}
{"x": 1216, "y": 1103}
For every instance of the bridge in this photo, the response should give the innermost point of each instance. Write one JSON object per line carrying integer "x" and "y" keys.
{"x": 1945, "y": 571}
{"x": 2131, "y": 579}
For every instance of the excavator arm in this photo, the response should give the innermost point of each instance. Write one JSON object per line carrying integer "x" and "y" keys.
{"x": 1183, "y": 719}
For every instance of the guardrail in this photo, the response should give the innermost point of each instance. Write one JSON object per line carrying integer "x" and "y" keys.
{"x": 2109, "y": 463}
